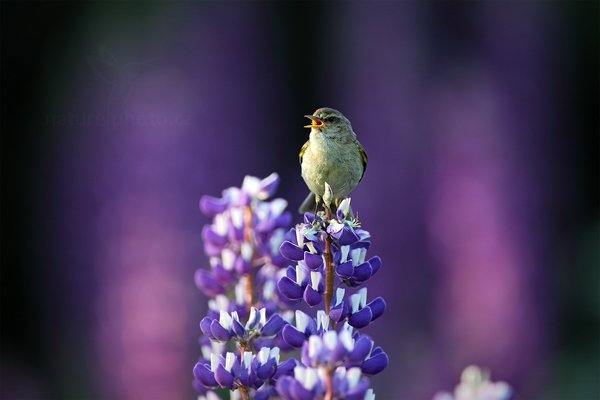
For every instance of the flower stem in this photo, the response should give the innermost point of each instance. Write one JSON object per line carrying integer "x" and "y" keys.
{"x": 244, "y": 393}
{"x": 329, "y": 393}
{"x": 250, "y": 239}
{"x": 328, "y": 269}
{"x": 244, "y": 346}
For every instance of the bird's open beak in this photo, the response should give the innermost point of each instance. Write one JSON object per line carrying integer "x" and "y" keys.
{"x": 316, "y": 122}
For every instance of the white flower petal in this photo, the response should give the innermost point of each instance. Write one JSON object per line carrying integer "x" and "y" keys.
{"x": 225, "y": 319}
{"x": 229, "y": 360}
{"x": 339, "y": 295}
{"x": 330, "y": 339}
{"x": 237, "y": 217}
{"x": 345, "y": 250}
{"x": 353, "y": 376}
{"x": 214, "y": 362}
{"x": 315, "y": 279}
{"x": 301, "y": 320}
{"x": 228, "y": 259}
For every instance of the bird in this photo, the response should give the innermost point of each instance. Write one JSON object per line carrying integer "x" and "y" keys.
{"x": 332, "y": 157}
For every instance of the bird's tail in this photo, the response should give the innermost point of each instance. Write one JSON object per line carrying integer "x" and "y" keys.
{"x": 309, "y": 204}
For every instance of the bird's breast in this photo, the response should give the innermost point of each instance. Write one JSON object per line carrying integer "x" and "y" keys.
{"x": 335, "y": 162}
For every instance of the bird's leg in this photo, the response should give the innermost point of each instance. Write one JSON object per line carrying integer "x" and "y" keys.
{"x": 317, "y": 200}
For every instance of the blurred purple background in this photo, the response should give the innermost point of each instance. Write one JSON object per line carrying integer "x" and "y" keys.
{"x": 481, "y": 125}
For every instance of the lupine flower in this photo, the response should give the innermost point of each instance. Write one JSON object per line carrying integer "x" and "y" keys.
{"x": 300, "y": 282}
{"x": 238, "y": 212}
{"x": 228, "y": 326}
{"x": 235, "y": 370}
{"x": 356, "y": 309}
{"x": 475, "y": 384}
{"x": 242, "y": 243}
{"x": 333, "y": 349}
{"x": 207, "y": 347}
{"x": 305, "y": 326}
{"x": 306, "y": 247}
{"x": 333, "y": 362}
{"x": 249, "y": 248}
{"x": 311, "y": 383}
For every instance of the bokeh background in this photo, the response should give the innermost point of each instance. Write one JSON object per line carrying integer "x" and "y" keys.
{"x": 481, "y": 124}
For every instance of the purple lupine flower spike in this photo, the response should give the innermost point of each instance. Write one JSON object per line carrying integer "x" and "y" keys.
{"x": 258, "y": 269}
{"x": 476, "y": 384}
{"x": 333, "y": 358}
{"x": 242, "y": 242}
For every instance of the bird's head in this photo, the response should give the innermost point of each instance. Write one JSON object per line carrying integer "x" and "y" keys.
{"x": 330, "y": 123}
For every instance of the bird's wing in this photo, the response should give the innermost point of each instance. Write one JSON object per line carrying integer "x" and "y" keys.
{"x": 302, "y": 150}
{"x": 363, "y": 157}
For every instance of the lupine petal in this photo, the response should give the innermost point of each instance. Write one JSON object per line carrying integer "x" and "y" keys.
{"x": 206, "y": 282}
{"x": 377, "y": 307}
{"x": 290, "y": 272}
{"x": 284, "y": 385}
{"x": 223, "y": 275}
{"x": 309, "y": 218}
{"x": 205, "y": 375}
{"x": 376, "y": 351}
{"x": 338, "y": 353}
{"x": 343, "y": 209}
{"x": 210, "y": 206}
{"x": 375, "y": 263}
{"x": 253, "y": 319}
{"x": 312, "y": 297}
{"x": 290, "y": 251}
{"x": 293, "y": 336}
{"x": 285, "y": 368}
{"x": 299, "y": 392}
{"x": 243, "y": 375}
{"x": 205, "y": 326}
{"x": 362, "y": 272}
{"x": 209, "y": 235}
{"x": 313, "y": 261}
{"x": 220, "y": 333}
{"x": 284, "y": 220}
{"x": 268, "y": 186}
{"x": 273, "y": 326}
{"x": 242, "y": 266}
{"x": 347, "y": 236}
{"x": 265, "y": 226}
{"x": 375, "y": 364}
{"x": 362, "y": 347}
{"x": 358, "y": 392}
{"x": 335, "y": 228}
{"x": 267, "y": 370}
{"x": 211, "y": 250}
{"x": 238, "y": 328}
{"x": 338, "y": 313}
{"x": 224, "y": 377}
{"x": 198, "y": 386}
{"x": 361, "y": 318}
{"x": 265, "y": 393}
{"x": 345, "y": 270}
{"x": 289, "y": 288}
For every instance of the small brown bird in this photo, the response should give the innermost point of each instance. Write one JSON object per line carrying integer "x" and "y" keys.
{"x": 332, "y": 157}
